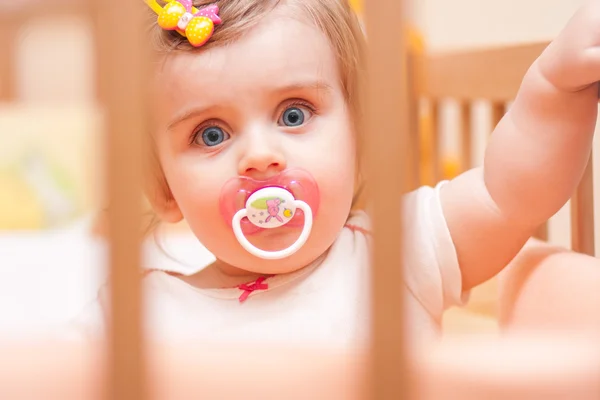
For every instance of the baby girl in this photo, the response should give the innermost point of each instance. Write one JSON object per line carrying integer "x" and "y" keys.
{"x": 256, "y": 145}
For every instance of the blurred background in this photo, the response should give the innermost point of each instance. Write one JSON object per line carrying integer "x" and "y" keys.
{"x": 51, "y": 262}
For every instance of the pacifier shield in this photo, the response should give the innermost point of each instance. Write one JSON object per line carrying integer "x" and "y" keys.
{"x": 296, "y": 182}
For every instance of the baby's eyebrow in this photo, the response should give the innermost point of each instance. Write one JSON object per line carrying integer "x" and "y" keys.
{"x": 302, "y": 86}
{"x": 318, "y": 86}
{"x": 187, "y": 114}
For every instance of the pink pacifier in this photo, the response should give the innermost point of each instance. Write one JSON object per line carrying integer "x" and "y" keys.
{"x": 290, "y": 198}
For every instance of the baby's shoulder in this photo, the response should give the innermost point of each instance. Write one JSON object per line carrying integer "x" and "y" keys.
{"x": 421, "y": 196}
{"x": 413, "y": 204}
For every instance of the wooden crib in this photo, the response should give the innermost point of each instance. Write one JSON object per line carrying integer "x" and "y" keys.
{"x": 127, "y": 369}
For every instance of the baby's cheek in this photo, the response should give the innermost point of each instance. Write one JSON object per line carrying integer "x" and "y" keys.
{"x": 336, "y": 192}
{"x": 196, "y": 195}
{"x": 204, "y": 218}
{"x": 199, "y": 199}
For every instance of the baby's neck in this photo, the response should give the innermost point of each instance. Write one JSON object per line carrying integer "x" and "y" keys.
{"x": 219, "y": 275}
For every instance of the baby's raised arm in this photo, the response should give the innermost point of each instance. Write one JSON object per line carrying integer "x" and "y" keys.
{"x": 536, "y": 155}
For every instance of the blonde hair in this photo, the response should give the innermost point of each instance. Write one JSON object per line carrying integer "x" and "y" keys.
{"x": 335, "y": 18}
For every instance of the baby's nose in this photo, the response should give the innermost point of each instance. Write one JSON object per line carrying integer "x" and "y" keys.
{"x": 261, "y": 162}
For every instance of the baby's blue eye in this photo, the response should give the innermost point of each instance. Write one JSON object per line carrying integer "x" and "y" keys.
{"x": 212, "y": 136}
{"x": 293, "y": 116}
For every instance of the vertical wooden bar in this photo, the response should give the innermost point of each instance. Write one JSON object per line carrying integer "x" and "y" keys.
{"x": 436, "y": 140}
{"x": 122, "y": 71}
{"x": 582, "y": 214}
{"x": 387, "y": 171}
{"x": 10, "y": 24}
{"x": 498, "y": 111}
{"x": 413, "y": 114}
{"x": 542, "y": 232}
{"x": 466, "y": 136}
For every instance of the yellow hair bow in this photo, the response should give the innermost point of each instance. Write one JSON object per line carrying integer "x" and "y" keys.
{"x": 181, "y": 16}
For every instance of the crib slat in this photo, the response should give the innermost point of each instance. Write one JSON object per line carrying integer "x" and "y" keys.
{"x": 542, "y": 232}
{"x": 122, "y": 94}
{"x": 582, "y": 214}
{"x": 466, "y": 136}
{"x": 498, "y": 111}
{"x": 436, "y": 142}
{"x": 387, "y": 168}
{"x": 9, "y": 29}
{"x": 414, "y": 154}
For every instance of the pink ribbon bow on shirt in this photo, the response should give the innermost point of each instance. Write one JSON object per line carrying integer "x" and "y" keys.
{"x": 251, "y": 287}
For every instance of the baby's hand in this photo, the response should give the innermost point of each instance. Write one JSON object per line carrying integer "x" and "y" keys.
{"x": 572, "y": 61}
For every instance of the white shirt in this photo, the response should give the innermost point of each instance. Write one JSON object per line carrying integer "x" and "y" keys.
{"x": 326, "y": 302}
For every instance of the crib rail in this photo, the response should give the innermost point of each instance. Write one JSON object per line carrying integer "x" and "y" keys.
{"x": 495, "y": 75}
{"x": 491, "y": 74}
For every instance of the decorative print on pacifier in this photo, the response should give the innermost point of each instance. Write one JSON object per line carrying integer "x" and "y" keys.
{"x": 271, "y": 208}
{"x": 289, "y": 199}
{"x": 181, "y": 16}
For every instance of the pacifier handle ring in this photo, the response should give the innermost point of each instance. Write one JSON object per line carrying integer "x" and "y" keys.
{"x": 274, "y": 255}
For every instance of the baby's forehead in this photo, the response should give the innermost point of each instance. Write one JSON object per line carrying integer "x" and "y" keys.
{"x": 279, "y": 52}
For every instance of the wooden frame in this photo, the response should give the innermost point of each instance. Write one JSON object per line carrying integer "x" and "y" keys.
{"x": 384, "y": 371}
{"x": 491, "y": 74}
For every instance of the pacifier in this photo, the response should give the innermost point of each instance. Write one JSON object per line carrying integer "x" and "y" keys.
{"x": 250, "y": 206}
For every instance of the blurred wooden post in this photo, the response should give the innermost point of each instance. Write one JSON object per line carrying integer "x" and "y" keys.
{"x": 542, "y": 232}
{"x": 466, "y": 136}
{"x": 582, "y": 214}
{"x": 388, "y": 169}
{"x": 436, "y": 140}
{"x": 498, "y": 111}
{"x": 414, "y": 154}
{"x": 123, "y": 63}
{"x": 10, "y": 23}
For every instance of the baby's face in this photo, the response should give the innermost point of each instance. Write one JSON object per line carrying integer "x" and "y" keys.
{"x": 268, "y": 102}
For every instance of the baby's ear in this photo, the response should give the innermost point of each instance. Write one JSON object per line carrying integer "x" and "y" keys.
{"x": 164, "y": 205}
{"x": 169, "y": 211}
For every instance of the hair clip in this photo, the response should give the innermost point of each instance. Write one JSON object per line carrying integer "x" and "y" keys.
{"x": 181, "y": 16}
